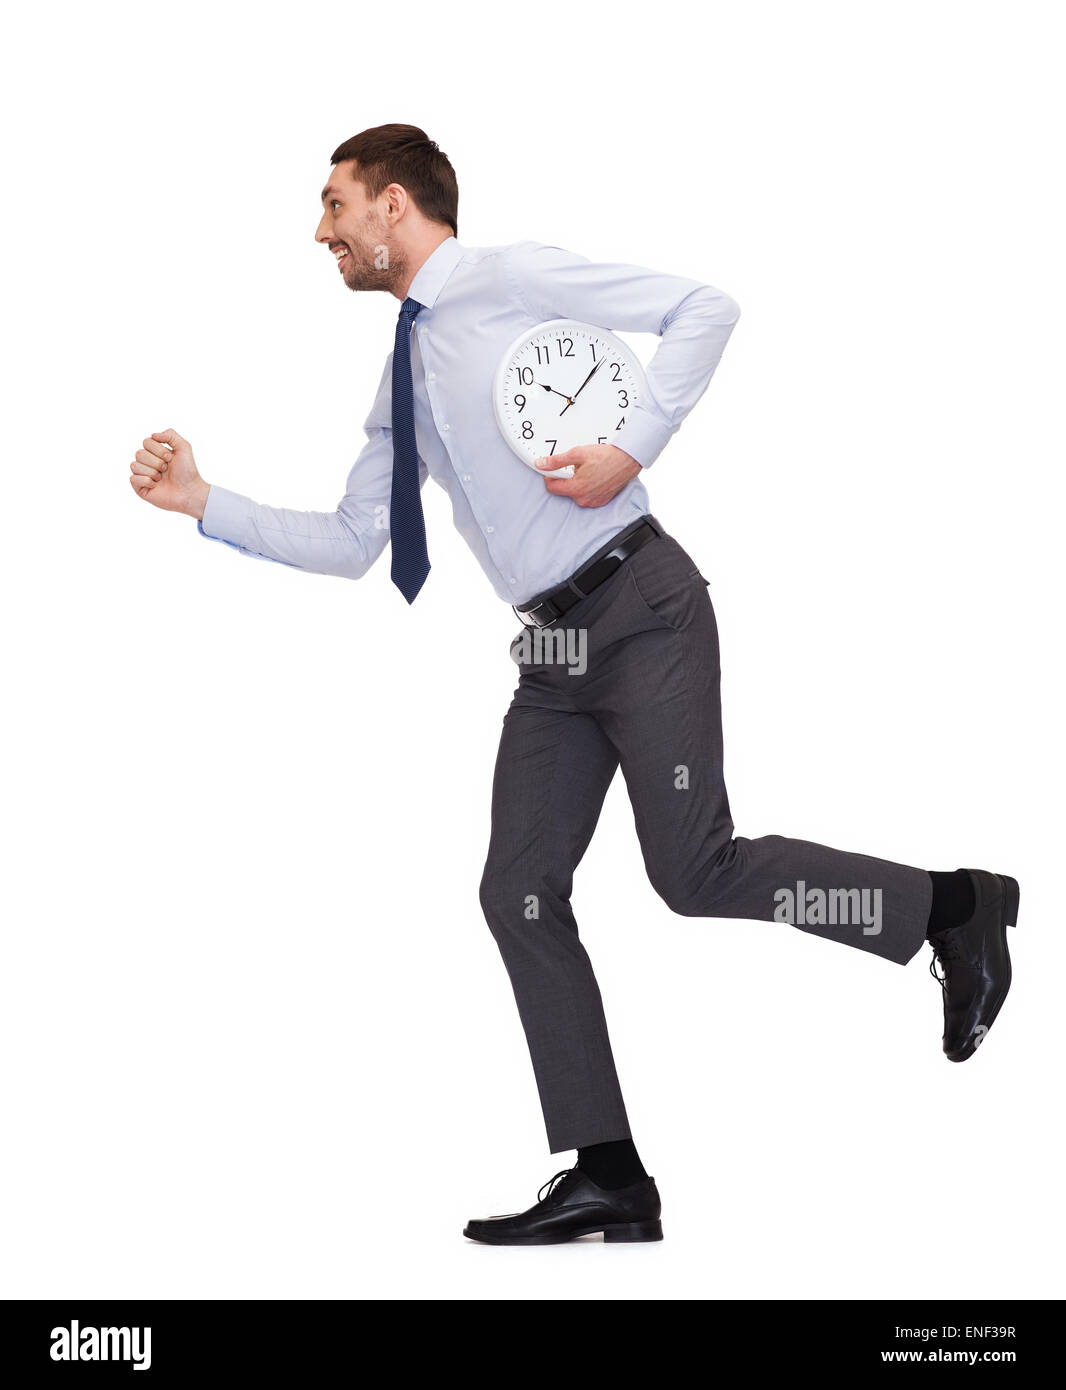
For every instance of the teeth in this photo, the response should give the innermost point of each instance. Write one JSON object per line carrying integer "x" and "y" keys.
{"x": 340, "y": 251}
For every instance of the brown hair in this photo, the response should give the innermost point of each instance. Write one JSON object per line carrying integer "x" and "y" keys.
{"x": 406, "y": 155}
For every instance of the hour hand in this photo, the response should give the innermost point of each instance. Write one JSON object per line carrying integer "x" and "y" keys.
{"x": 552, "y": 390}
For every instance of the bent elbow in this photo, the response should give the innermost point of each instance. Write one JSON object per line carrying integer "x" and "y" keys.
{"x": 725, "y": 307}
{"x": 356, "y": 555}
{"x": 708, "y": 305}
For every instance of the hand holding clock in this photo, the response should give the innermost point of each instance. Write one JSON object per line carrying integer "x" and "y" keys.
{"x": 601, "y": 471}
{"x": 586, "y": 362}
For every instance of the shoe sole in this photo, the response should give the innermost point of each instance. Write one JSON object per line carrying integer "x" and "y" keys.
{"x": 1011, "y": 898}
{"x": 628, "y": 1232}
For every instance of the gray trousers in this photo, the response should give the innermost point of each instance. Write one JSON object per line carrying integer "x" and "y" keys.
{"x": 644, "y": 694}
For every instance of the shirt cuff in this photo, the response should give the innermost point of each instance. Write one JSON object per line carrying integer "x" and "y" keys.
{"x": 642, "y": 437}
{"x": 225, "y": 513}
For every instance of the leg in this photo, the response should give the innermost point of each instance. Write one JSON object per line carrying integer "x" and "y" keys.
{"x": 552, "y": 773}
{"x": 663, "y": 715}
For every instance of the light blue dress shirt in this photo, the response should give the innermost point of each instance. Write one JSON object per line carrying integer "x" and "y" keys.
{"x": 477, "y": 301}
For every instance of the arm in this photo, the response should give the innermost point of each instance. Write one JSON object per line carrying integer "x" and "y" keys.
{"x": 343, "y": 542}
{"x": 694, "y": 321}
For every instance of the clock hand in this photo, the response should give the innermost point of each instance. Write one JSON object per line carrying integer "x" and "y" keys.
{"x": 581, "y": 388}
{"x": 552, "y": 389}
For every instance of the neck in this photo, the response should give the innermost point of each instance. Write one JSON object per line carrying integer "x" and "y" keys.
{"x": 419, "y": 256}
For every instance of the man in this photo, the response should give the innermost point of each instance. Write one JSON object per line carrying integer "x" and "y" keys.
{"x": 576, "y": 556}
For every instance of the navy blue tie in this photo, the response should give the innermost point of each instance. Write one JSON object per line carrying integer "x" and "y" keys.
{"x": 410, "y": 558}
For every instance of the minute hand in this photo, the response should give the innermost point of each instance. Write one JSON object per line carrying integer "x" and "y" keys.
{"x": 581, "y": 388}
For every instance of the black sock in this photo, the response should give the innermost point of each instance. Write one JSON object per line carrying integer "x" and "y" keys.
{"x": 953, "y": 901}
{"x": 612, "y": 1165}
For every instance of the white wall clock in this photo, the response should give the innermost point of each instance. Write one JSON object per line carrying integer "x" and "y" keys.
{"x": 564, "y": 383}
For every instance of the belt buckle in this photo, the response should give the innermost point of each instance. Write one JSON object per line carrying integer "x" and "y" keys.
{"x": 529, "y": 617}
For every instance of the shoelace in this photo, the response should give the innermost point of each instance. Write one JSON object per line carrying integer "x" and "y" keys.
{"x": 944, "y": 950}
{"x": 551, "y": 1184}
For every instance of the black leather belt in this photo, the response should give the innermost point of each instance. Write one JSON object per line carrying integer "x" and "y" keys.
{"x": 550, "y": 607}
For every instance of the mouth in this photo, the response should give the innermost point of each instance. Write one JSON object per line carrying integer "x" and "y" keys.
{"x": 342, "y": 255}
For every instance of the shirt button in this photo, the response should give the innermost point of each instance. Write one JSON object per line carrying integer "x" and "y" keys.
{"x": 432, "y": 376}
{"x": 490, "y": 529}
{"x": 466, "y": 477}
{"x": 445, "y": 427}
{"x": 512, "y": 581}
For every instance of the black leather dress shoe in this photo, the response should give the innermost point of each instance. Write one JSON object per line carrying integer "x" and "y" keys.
{"x": 574, "y": 1206}
{"x": 976, "y": 964}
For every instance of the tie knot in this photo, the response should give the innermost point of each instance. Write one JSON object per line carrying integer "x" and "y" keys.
{"x": 411, "y": 307}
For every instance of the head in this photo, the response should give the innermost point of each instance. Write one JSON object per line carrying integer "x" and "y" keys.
{"x": 390, "y": 199}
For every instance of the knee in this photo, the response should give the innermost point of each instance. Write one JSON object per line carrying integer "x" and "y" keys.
{"x": 514, "y": 897}
{"x": 700, "y": 889}
{"x": 493, "y": 894}
{"x": 679, "y": 896}
{"x": 502, "y": 899}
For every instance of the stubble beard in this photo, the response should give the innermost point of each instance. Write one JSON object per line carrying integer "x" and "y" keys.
{"x": 374, "y": 264}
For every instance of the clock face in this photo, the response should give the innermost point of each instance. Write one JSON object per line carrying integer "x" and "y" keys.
{"x": 561, "y": 384}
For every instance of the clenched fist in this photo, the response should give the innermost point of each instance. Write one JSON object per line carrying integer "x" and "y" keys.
{"x": 164, "y": 473}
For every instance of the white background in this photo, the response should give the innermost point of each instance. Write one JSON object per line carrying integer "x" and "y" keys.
{"x": 256, "y": 1039}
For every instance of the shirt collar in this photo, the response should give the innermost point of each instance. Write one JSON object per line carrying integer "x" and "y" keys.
{"x": 434, "y": 271}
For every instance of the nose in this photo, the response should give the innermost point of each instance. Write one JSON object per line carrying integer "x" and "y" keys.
{"x": 323, "y": 231}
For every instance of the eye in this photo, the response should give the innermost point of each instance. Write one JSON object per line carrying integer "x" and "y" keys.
{"x": 334, "y": 203}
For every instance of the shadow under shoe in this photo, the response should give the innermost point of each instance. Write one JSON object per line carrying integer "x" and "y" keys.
{"x": 976, "y": 964}
{"x": 574, "y": 1206}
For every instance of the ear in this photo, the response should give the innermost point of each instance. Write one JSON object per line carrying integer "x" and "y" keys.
{"x": 397, "y": 201}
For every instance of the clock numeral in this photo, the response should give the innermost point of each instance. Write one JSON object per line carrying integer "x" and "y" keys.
{"x": 522, "y": 401}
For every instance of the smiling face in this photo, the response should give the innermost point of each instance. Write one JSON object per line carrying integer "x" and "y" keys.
{"x": 358, "y": 232}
